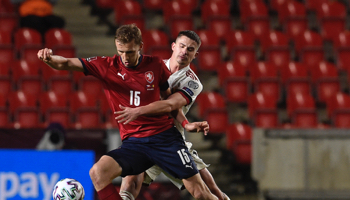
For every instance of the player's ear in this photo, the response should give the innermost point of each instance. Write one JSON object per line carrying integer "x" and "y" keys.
{"x": 173, "y": 46}
{"x": 196, "y": 54}
{"x": 141, "y": 45}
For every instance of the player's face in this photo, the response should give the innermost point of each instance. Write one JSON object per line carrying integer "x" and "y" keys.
{"x": 184, "y": 50}
{"x": 129, "y": 52}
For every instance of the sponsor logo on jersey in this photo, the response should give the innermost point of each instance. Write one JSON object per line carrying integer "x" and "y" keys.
{"x": 190, "y": 74}
{"x": 149, "y": 76}
{"x": 91, "y": 59}
{"x": 193, "y": 85}
{"x": 188, "y": 90}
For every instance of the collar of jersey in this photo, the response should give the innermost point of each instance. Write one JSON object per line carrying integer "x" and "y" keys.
{"x": 133, "y": 67}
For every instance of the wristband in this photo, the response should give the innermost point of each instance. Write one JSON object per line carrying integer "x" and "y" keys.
{"x": 184, "y": 122}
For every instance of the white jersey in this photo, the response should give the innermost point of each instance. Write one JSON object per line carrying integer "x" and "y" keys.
{"x": 188, "y": 82}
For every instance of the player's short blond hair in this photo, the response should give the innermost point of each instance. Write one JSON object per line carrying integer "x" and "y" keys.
{"x": 128, "y": 33}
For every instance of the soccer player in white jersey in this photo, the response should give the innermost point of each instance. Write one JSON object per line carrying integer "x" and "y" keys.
{"x": 184, "y": 81}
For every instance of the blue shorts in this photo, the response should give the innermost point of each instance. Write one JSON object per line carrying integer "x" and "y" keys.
{"x": 166, "y": 149}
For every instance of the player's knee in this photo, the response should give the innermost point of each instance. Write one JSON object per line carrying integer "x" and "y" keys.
{"x": 97, "y": 172}
{"x": 198, "y": 195}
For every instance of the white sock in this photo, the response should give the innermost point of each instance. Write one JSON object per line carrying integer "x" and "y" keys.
{"x": 125, "y": 195}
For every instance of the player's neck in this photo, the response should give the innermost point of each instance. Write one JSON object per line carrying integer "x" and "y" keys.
{"x": 175, "y": 66}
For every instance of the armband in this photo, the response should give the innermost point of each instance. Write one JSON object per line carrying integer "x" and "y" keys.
{"x": 184, "y": 122}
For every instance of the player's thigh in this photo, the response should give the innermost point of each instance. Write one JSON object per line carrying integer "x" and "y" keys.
{"x": 132, "y": 162}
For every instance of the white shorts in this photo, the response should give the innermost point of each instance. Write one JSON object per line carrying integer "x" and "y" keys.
{"x": 153, "y": 172}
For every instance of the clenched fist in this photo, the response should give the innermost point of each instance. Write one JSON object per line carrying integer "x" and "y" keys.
{"x": 45, "y": 54}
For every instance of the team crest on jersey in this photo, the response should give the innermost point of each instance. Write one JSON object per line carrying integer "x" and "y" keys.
{"x": 190, "y": 74}
{"x": 193, "y": 85}
{"x": 91, "y": 59}
{"x": 149, "y": 76}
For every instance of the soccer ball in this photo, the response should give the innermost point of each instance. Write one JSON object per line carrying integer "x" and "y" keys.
{"x": 68, "y": 189}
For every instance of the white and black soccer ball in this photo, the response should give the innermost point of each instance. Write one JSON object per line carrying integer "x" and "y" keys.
{"x": 68, "y": 189}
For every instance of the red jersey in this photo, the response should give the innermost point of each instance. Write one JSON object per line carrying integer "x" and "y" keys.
{"x": 132, "y": 87}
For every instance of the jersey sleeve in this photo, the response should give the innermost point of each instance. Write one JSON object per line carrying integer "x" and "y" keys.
{"x": 190, "y": 89}
{"x": 95, "y": 66}
{"x": 165, "y": 74}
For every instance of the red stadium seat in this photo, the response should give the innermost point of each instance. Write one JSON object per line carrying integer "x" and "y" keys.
{"x": 306, "y": 118}
{"x": 210, "y": 54}
{"x": 300, "y": 102}
{"x": 239, "y": 137}
{"x": 233, "y": 79}
{"x": 5, "y": 38}
{"x": 162, "y": 52}
{"x": 137, "y": 20}
{"x": 240, "y": 46}
{"x": 309, "y": 47}
{"x": 220, "y": 25}
{"x": 342, "y": 50}
{"x": 52, "y": 100}
{"x": 57, "y": 37}
{"x": 125, "y": 9}
{"x": 61, "y": 85}
{"x": 209, "y": 100}
{"x": 155, "y": 39}
{"x": 153, "y": 4}
{"x": 55, "y": 108}
{"x": 296, "y": 79}
{"x": 290, "y": 10}
{"x": 332, "y": 16}
{"x": 262, "y": 110}
{"x": 6, "y": 6}
{"x": 338, "y": 109}
{"x": 25, "y": 37}
{"x": 82, "y": 100}
{"x": 48, "y": 73}
{"x": 313, "y": 5}
{"x": 326, "y": 80}
{"x": 213, "y": 109}
{"x": 177, "y": 24}
{"x": 8, "y": 22}
{"x": 252, "y": 9}
{"x": 308, "y": 39}
{"x": 19, "y": 99}
{"x": 276, "y": 49}
{"x": 26, "y": 77}
{"x": 5, "y": 85}
{"x": 176, "y": 9}
{"x": 264, "y": 77}
{"x": 88, "y": 118}
{"x": 215, "y": 8}
{"x": 301, "y": 108}
{"x": 7, "y": 55}
{"x": 260, "y": 27}
{"x": 277, "y": 5}
{"x": 91, "y": 85}
{"x": 274, "y": 39}
{"x": 27, "y": 118}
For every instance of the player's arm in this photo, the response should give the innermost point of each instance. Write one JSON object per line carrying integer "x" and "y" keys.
{"x": 59, "y": 62}
{"x": 190, "y": 126}
{"x": 173, "y": 102}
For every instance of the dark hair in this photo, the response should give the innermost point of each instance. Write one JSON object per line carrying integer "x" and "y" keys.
{"x": 128, "y": 33}
{"x": 192, "y": 35}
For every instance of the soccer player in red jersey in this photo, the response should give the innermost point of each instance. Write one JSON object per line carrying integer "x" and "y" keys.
{"x": 186, "y": 86}
{"x": 131, "y": 80}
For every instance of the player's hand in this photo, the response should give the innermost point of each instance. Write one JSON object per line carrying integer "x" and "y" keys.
{"x": 45, "y": 54}
{"x": 126, "y": 114}
{"x": 197, "y": 127}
